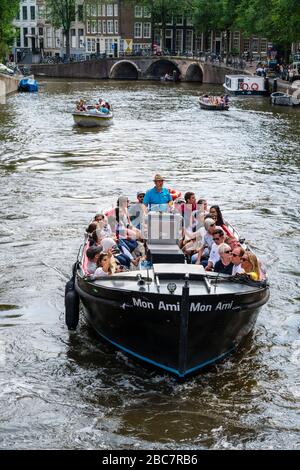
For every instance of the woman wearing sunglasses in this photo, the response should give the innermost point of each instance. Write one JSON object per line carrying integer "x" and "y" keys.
{"x": 251, "y": 266}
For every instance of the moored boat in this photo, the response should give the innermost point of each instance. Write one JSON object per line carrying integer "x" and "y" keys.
{"x": 283, "y": 99}
{"x": 172, "y": 315}
{"x": 246, "y": 85}
{"x": 92, "y": 118}
{"x": 28, "y": 85}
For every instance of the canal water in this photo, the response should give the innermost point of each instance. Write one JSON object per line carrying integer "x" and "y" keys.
{"x": 62, "y": 390}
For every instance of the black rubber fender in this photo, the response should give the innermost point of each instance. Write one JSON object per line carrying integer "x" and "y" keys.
{"x": 71, "y": 306}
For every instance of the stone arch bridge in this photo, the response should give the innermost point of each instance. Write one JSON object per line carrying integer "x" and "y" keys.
{"x": 137, "y": 68}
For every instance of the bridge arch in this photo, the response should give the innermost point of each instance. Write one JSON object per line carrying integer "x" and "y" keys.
{"x": 124, "y": 70}
{"x": 160, "y": 67}
{"x": 194, "y": 73}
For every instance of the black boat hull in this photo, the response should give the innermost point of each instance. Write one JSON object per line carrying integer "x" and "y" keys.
{"x": 177, "y": 335}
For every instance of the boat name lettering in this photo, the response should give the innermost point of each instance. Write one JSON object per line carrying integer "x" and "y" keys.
{"x": 194, "y": 307}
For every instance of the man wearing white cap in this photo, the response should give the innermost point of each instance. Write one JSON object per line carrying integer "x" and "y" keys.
{"x": 158, "y": 198}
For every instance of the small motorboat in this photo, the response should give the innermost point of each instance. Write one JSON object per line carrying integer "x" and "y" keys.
{"x": 28, "y": 85}
{"x": 283, "y": 99}
{"x": 93, "y": 118}
{"x": 210, "y": 106}
{"x": 168, "y": 314}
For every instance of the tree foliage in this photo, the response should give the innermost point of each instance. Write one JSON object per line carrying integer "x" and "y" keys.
{"x": 61, "y": 13}
{"x": 8, "y": 11}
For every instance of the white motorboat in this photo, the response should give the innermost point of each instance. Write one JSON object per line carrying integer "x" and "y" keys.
{"x": 246, "y": 85}
{"x": 283, "y": 99}
{"x": 92, "y": 118}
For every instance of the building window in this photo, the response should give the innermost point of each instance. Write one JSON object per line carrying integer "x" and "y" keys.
{"x": 41, "y": 32}
{"x": 103, "y": 10}
{"x": 80, "y": 13}
{"x": 138, "y": 11}
{"x": 189, "y": 40}
{"x": 110, "y": 26}
{"x": 104, "y": 27}
{"x": 57, "y": 40}
{"x": 93, "y": 10}
{"x": 18, "y": 37}
{"x": 179, "y": 20}
{"x": 116, "y": 9}
{"x": 116, "y": 27}
{"x": 236, "y": 41}
{"x": 49, "y": 38}
{"x": 32, "y": 12}
{"x": 169, "y": 33}
{"x": 147, "y": 30}
{"x": 246, "y": 45}
{"x": 147, "y": 12}
{"x": 81, "y": 38}
{"x": 99, "y": 26}
{"x": 94, "y": 26}
{"x": 255, "y": 45}
{"x": 24, "y": 13}
{"x": 189, "y": 21}
{"x": 88, "y": 10}
{"x": 25, "y": 38}
{"x": 179, "y": 40}
{"x": 108, "y": 46}
{"x": 73, "y": 38}
{"x": 263, "y": 45}
{"x": 88, "y": 26}
{"x": 110, "y": 10}
{"x": 137, "y": 30}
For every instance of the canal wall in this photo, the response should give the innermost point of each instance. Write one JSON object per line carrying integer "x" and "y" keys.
{"x": 8, "y": 85}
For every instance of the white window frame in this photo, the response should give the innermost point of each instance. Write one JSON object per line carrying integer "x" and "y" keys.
{"x": 116, "y": 27}
{"x": 147, "y": 12}
{"x": 99, "y": 26}
{"x": 94, "y": 26}
{"x": 138, "y": 11}
{"x": 110, "y": 26}
{"x": 110, "y": 10}
{"x": 104, "y": 27}
{"x": 88, "y": 26}
{"x": 93, "y": 10}
{"x": 147, "y": 30}
{"x": 138, "y": 30}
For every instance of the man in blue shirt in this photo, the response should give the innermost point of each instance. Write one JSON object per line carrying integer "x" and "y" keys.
{"x": 158, "y": 198}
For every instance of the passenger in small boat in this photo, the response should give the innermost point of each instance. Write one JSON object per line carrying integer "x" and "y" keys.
{"x": 218, "y": 238}
{"x": 188, "y": 208}
{"x": 93, "y": 254}
{"x": 250, "y": 265}
{"x": 224, "y": 265}
{"x": 158, "y": 198}
{"x": 205, "y": 99}
{"x": 109, "y": 244}
{"x": 226, "y": 100}
{"x": 237, "y": 254}
{"x": 104, "y": 229}
{"x": 81, "y": 106}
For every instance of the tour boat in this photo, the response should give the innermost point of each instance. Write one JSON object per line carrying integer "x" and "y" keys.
{"x": 283, "y": 99}
{"x": 171, "y": 315}
{"x": 92, "y": 118}
{"x": 246, "y": 85}
{"x": 212, "y": 107}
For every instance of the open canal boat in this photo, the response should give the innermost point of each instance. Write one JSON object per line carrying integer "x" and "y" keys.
{"x": 172, "y": 315}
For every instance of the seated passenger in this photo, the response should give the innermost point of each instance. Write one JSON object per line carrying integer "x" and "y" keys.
{"x": 218, "y": 238}
{"x": 250, "y": 266}
{"x": 106, "y": 265}
{"x": 224, "y": 265}
{"x": 215, "y": 211}
{"x": 93, "y": 254}
{"x": 205, "y": 249}
{"x": 237, "y": 254}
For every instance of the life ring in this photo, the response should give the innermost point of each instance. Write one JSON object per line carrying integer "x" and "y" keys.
{"x": 175, "y": 194}
{"x": 254, "y": 86}
{"x": 244, "y": 86}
